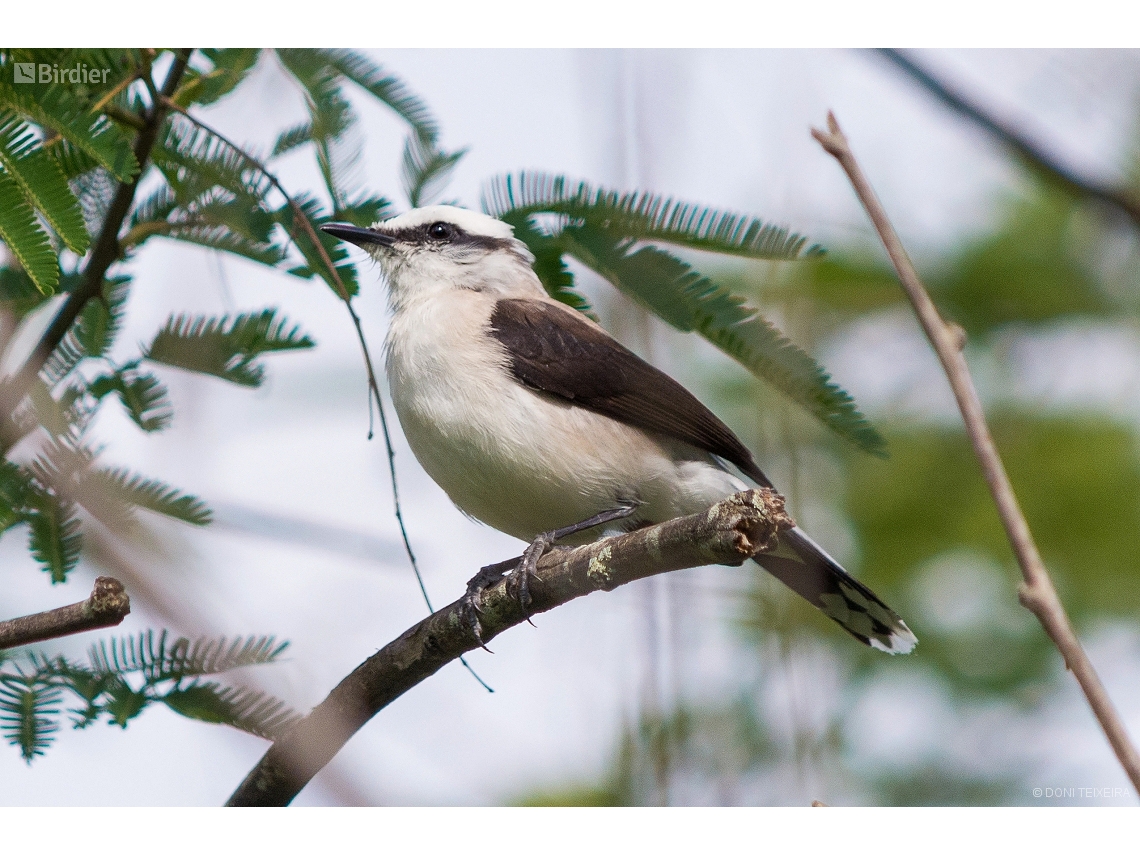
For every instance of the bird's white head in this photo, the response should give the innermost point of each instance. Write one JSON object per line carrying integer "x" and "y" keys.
{"x": 441, "y": 247}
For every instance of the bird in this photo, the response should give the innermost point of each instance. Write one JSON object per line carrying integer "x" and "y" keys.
{"x": 537, "y": 422}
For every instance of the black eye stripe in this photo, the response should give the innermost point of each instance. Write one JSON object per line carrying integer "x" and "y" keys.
{"x": 456, "y": 237}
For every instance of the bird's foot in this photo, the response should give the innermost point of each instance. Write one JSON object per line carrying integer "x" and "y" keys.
{"x": 469, "y": 609}
{"x": 518, "y": 585}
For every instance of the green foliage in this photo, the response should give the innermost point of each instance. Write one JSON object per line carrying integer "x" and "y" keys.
{"x": 54, "y": 538}
{"x": 331, "y": 120}
{"x": 142, "y": 395}
{"x": 1032, "y": 270}
{"x": 65, "y": 151}
{"x": 20, "y": 230}
{"x": 19, "y": 293}
{"x": 126, "y": 675}
{"x": 59, "y": 109}
{"x": 229, "y": 67}
{"x": 41, "y": 180}
{"x": 385, "y": 88}
{"x": 157, "y": 659}
{"x": 1078, "y": 482}
{"x": 196, "y": 164}
{"x": 139, "y": 492}
{"x": 100, "y": 320}
{"x": 425, "y": 169}
{"x": 28, "y": 713}
{"x": 225, "y": 347}
{"x": 1039, "y": 265}
{"x": 605, "y": 231}
{"x": 47, "y": 492}
{"x": 642, "y": 216}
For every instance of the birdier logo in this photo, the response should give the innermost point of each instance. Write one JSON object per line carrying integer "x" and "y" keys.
{"x": 47, "y": 72}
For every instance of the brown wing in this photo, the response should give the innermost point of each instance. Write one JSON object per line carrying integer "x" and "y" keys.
{"x": 556, "y": 350}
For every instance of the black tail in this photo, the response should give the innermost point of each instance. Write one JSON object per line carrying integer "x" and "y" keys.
{"x": 800, "y": 564}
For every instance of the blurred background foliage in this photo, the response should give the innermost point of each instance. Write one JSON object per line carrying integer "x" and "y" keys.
{"x": 923, "y": 525}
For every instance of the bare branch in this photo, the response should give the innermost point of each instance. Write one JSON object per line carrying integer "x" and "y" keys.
{"x": 1032, "y": 154}
{"x": 107, "y": 606}
{"x": 1036, "y": 591}
{"x": 728, "y": 533}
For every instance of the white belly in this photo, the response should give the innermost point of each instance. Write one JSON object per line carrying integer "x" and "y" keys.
{"x": 518, "y": 460}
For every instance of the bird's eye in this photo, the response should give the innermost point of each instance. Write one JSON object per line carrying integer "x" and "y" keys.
{"x": 439, "y": 231}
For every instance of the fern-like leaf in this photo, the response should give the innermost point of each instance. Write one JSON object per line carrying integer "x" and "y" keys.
{"x": 143, "y": 395}
{"x": 19, "y": 293}
{"x": 62, "y": 361}
{"x": 293, "y": 138}
{"x": 230, "y": 67}
{"x": 248, "y": 710}
{"x": 42, "y": 181}
{"x": 690, "y": 302}
{"x": 225, "y": 347}
{"x": 28, "y": 714}
{"x": 58, "y": 109}
{"x": 123, "y": 703}
{"x": 100, "y": 321}
{"x": 20, "y": 230}
{"x": 54, "y": 537}
{"x": 642, "y": 216}
{"x": 216, "y": 655}
{"x": 224, "y": 239}
{"x": 549, "y": 262}
{"x": 425, "y": 169}
{"x": 194, "y": 161}
{"x": 157, "y": 658}
{"x": 365, "y": 211}
{"x": 54, "y": 415}
{"x": 15, "y": 485}
{"x": 384, "y": 87}
{"x": 154, "y": 208}
{"x": 334, "y": 250}
{"x": 152, "y": 495}
{"x": 331, "y": 118}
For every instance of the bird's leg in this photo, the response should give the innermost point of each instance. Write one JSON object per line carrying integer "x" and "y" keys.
{"x": 529, "y": 562}
{"x": 485, "y": 578}
{"x": 525, "y": 566}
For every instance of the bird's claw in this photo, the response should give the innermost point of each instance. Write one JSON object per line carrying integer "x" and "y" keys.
{"x": 518, "y": 585}
{"x": 469, "y": 610}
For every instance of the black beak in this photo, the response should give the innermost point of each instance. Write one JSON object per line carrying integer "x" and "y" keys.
{"x": 357, "y": 235}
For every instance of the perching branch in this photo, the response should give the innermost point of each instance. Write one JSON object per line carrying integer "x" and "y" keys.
{"x": 727, "y": 533}
{"x": 105, "y": 252}
{"x": 107, "y": 606}
{"x": 1036, "y": 591}
{"x": 1032, "y": 154}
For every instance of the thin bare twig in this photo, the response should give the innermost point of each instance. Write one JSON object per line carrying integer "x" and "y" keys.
{"x": 728, "y": 533}
{"x": 1036, "y": 591}
{"x": 1032, "y": 154}
{"x": 107, "y": 606}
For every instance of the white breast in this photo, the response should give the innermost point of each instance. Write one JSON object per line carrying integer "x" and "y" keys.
{"x": 518, "y": 460}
